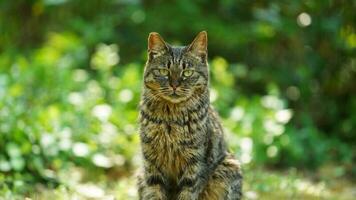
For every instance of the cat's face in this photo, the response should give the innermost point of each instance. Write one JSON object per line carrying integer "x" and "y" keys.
{"x": 176, "y": 73}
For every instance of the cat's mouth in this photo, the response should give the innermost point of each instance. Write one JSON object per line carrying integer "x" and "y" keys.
{"x": 174, "y": 95}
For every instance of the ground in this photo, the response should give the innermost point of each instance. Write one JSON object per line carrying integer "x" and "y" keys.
{"x": 258, "y": 184}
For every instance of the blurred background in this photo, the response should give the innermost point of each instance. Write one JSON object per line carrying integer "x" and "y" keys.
{"x": 283, "y": 78}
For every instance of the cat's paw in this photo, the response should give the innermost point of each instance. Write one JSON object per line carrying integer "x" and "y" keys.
{"x": 153, "y": 197}
{"x": 153, "y": 193}
{"x": 187, "y": 195}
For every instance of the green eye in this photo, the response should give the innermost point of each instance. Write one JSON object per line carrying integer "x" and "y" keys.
{"x": 164, "y": 72}
{"x": 187, "y": 73}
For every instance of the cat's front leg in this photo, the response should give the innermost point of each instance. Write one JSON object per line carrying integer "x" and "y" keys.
{"x": 153, "y": 192}
{"x": 191, "y": 182}
{"x": 153, "y": 186}
{"x": 188, "y": 194}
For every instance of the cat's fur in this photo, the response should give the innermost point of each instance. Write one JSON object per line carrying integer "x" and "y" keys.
{"x": 185, "y": 155}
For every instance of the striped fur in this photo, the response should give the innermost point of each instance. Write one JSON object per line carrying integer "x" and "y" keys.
{"x": 185, "y": 155}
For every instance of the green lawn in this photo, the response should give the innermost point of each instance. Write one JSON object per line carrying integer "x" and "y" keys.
{"x": 258, "y": 184}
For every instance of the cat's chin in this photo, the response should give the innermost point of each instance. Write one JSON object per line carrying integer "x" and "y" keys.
{"x": 174, "y": 98}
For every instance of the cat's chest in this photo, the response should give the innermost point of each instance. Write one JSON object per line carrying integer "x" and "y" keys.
{"x": 166, "y": 138}
{"x": 166, "y": 143}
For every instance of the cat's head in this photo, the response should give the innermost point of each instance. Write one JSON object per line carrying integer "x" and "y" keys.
{"x": 175, "y": 73}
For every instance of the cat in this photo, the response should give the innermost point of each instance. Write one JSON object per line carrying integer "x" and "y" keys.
{"x": 184, "y": 153}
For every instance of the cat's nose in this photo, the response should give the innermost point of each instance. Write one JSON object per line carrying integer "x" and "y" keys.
{"x": 174, "y": 87}
{"x": 174, "y": 84}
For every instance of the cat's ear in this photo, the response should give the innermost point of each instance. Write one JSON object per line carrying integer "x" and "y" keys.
{"x": 156, "y": 45}
{"x": 199, "y": 46}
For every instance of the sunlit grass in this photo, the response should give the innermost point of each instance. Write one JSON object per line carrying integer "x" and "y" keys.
{"x": 258, "y": 184}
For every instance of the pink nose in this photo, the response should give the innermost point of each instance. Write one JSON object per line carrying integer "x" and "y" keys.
{"x": 174, "y": 87}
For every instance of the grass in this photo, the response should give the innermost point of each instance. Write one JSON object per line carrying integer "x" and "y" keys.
{"x": 258, "y": 184}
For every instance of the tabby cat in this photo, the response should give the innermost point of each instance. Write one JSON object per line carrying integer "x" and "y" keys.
{"x": 185, "y": 155}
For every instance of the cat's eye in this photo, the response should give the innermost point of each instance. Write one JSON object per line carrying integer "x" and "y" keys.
{"x": 187, "y": 73}
{"x": 163, "y": 72}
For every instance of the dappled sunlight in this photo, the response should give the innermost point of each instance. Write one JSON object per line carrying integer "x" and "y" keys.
{"x": 237, "y": 113}
{"x": 102, "y": 112}
{"x": 246, "y": 145}
{"x": 125, "y": 95}
{"x": 80, "y": 149}
{"x": 304, "y": 19}
{"x": 105, "y": 57}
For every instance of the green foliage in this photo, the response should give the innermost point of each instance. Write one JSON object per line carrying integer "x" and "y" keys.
{"x": 283, "y": 77}
{"x": 55, "y": 115}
